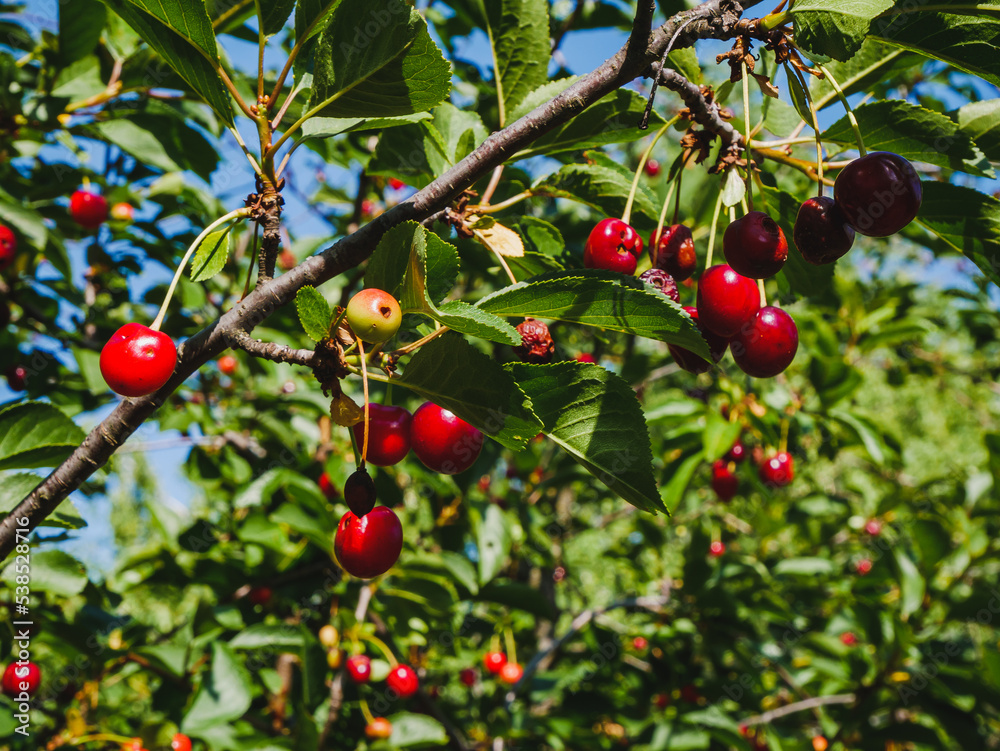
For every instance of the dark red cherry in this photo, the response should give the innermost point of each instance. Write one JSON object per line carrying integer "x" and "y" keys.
{"x": 388, "y": 434}
{"x": 691, "y": 362}
{"x": 821, "y": 232}
{"x": 879, "y": 193}
{"x": 755, "y": 246}
{"x": 443, "y": 441}
{"x": 137, "y": 361}
{"x": 726, "y": 300}
{"x": 652, "y": 168}
{"x": 778, "y": 471}
{"x": 724, "y": 482}
{"x": 359, "y": 492}
{"x": 260, "y": 595}
{"x": 612, "y": 245}
{"x": 737, "y": 453}
{"x": 8, "y": 246}
{"x": 327, "y": 487}
{"x": 368, "y": 546}
{"x": 662, "y": 281}
{"x": 359, "y": 667}
{"x": 766, "y": 345}
{"x": 403, "y": 680}
{"x": 17, "y": 377}
{"x": 536, "y": 345}
{"x": 674, "y": 252}
{"x": 467, "y": 676}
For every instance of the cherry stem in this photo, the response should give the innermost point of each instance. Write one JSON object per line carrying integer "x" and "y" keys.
{"x": 847, "y": 106}
{"x": 503, "y": 262}
{"x": 508, "y": 637}
{"x": 495, "y": 643}
{"x": 763, "y": 294}
{"x": 627, "y": 214}
{"x": 783, "y": 445}
{"x": 357, "y": 452}
{"x": 364, "y": 385}
{"x": 366, "y": 712}
{"x": 746, "y": 121}
{"x": 661, "y": 222}
{"x": 774, "y": 20}
{"x": 677, "y": 198}
{"x": 711, "y": 234}
{"x": 236, "y": 214}
{"x": 815, "y": 126}
{"x": 492, "y": 186}
{"x": 381, "y": 646}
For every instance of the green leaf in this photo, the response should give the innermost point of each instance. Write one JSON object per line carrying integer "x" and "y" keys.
{"x": 35, "y": 434}
{"x": 314, "y": 313}
{"x": 325, "y": 127}
{"x": 25, "y": 221}
{"x": 494, "y": 540}
{"x": 540, "y": 235}
{"x": 52, "y": 571}
{"x": 224, "y": 695}
{"x": 874, "y": 63}
{"x": 835, "y": 28}
{"x": 518, "y": 595}
{"x": 680, "y": 472}
{"x": 805, "y": 566}
{"x": 89, "y": 363}
{"x": 211, "y": 255}
{"x": 455, "y": 375}
{"x": 911, "y": 584}
{"x": 869, "y": 433}
{"x": 913, "y": 132}
{"x": 518, "y": 31}
{"x": 80, "y": 26}
{"x": 175, "y": 45}
{"x": 595, "y": 416}
{"x": 468, "y": 319}
{"x": 603, "y": 299}
{"x": 965, "y": 41}
{"x": 269, "y": 636}
{"x": 15, "y": 487}
{"x": 601, "y": 186}
{"x": 275, "y": 13}
{"x": 377, "y": 62}
{"x": 416, "y": 731}
{"x": 980, "y": 121}
{"x": 719, "y": 436}
{"x": 965, "y": 219}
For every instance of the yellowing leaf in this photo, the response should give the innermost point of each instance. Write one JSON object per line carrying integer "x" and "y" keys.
{"x": 344, "y": 411}
{"x": 501, "y": 240}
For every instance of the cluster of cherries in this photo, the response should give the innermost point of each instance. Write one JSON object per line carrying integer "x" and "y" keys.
{"x": 496, "y": 663}
{"x": 876, "y": 195}
{"x": 775, "y": 471}
{"x": 180, "y": 742}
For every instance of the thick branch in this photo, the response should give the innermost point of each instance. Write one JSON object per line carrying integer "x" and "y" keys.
{"x": 713, "y": 19}
{"x": 272, "y": 351}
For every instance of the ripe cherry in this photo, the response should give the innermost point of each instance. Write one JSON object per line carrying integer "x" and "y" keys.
{"x": 586, "y": 357}
{"x": 848, "y": 638}
{"x": 689, "y": 693}
{"x": 536, "y": 345}
{"x": 17, "y": 377}
{"x": 122, "y": 212}
{"x": 180, "y": 743}
{"x": 8, "y": 246}
{"x": 640, "y": 643}
{"x": 724, "y": 482}
{"x": 359, "y": 492}
{"x": 136, "y": 745}
{"x": 389, "y": 430}
{"x": 674, "y": 252}
{"x": 327, "y": 487}
{"x": 467, "y": 676}
{"x": 652, "y": 168}
{"x": 873, "y": 527}
{"x": 87, "y": 209}
{"x": 755, "y": 246}
{"x": 820, "y": 743}
{"x": 726, "y": 300}
{"x": 260, "y": 595}
{"x": 379, "y": 727}
{"x": 374, "y": 315}
{"x": 396, "y": 184}
{"x": 286, "y": 260}
{"x": 21, "y": 677}
{"x": 821, "y": 231}
{"x": 863, "y": 567}
{"x": 612, "y": 245}
{"x": 879, "y": 193}
{"x": 716, "y": 548}
{"x": 442, "y": 441}
{"x": 368, "y": 546}
{"x": 403, "y": 680}
{"x": 662, "y": 701}
{"x": 778, "y": 471}
{"x": 137, "y": 361}
{"x": 737, "y": 453}
{"x": 766, "y": 345}
{"x": 359, "y": 667}
{"x": 227, "y": 365}
{"x": 662, "y": 281}
{"x": 494, "y": 662}
{"x": 691, "y": 362}
{"x": 511, "y": 673}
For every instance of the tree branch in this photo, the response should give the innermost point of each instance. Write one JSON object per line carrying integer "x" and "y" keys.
{"x": 799, "y": 706}
{"x": 272, "y": 351}
{"x": 714, "y": 19}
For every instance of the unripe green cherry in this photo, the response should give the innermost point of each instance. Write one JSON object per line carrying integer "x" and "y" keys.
{"x": 374, "y": 315}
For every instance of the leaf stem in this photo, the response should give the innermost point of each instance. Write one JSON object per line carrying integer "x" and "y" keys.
{"x": 847, "y": 106}
{"x": 364, "y": 385}
{"x": 294, "y": 53}
{"x": 774, "y": 20}
{"x": 508, "y": 637}
{"x": 261, "y": 44}
{"x": 627, "y": 214}
{"x": 236, "y": 214}
{"x": 662, "y": 221}
{"x": 498, "y": 207}
{"x": 712, "y": 231}
{"x": 420, "y": 342}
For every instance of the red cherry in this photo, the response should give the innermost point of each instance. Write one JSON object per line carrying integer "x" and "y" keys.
{"x": 87, "y": 209}
{"x": 403, "y": 680}
{"x": 287, "y": 260}
{"x": 724, "y": 482}
{"x": 848, "y": 638}
{"x": 368, "y": 546}
{"x": 778, "y": 471}
{"x": 737, "y": 453}
{"x": 674, "y": 252}
{"x": 873, "y": 527}
{"x": 511, "y": 673}
{"x": 766, "y": 345}
{"x": 586, "y": 357}
{"x": 21, "y": 678}
{"x": 137, "y": 361}
{"x": 260, "y": 595}
{"x": 17, "y": 377}
{"x": 716, "y": 549}
{"x": 444, "y": 442}
{"x": 863, "y": 567}
{"x": 379, "y": 727}
{"x": 652, "y": 168}
{"x": 8, "y": 246}
{"x": 467, "y": 676}
{"x": 396, "y": 184}
{"x": 726, "y": 300}
{"x": 690, "y": 694}
{"x": 359, "y": 667}
{"x": 661, "y": 701}
{"x": 180, "y": 743}
{"x": 327, "y": 487}
{"x": 612, "y": 245}
{"x": 879, "y": 193}
{"x": 755, "y": 246}
{"x": 691, "y": 362}
{"x": 640, "y": 643}
{"x": 821, "y": 232}
{"x": 227, "y": 365}
{"x": 368, "y": 208}
{"x": 122, "y": 212}
{"x": 136, "y": 745}
{"x": 388, "y": 434}
{"x": 359, "y": 492}
{"x": 494, "y": 661}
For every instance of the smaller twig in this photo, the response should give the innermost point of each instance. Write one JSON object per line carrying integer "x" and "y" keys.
{"x": 800, "y": 706}
{"x": 491, "y": 188}
{"x": 272, "y": 351}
